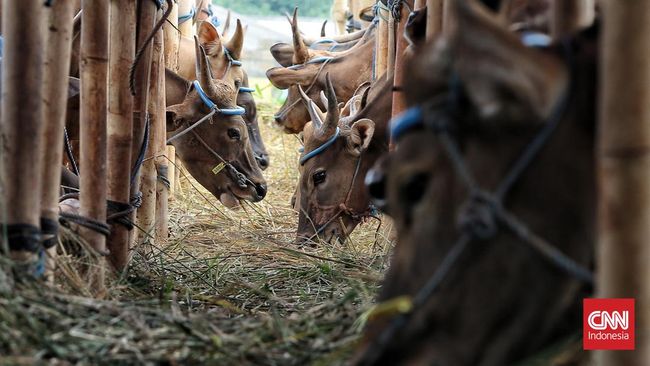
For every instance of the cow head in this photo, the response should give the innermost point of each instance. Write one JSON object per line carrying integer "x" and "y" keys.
{"x": 218, "y": 153}
{"x": 347, "y": 70}
{"x": 495, "y": 96}
{"x": 223, "y": 55}
{"x": 245, "y": 100}
{"x": 331, "y": 197}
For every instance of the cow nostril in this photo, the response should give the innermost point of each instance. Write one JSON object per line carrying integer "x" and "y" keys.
{"x": 262, "y": 161}
{"x": 260, "y": 189}
{"x": 278, "y": 119}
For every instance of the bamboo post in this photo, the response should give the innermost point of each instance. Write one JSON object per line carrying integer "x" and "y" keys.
{"x": 434, "y": 18}
{"x": 570, "y": 16}
{"x": 93, "y": 70}
{"x": 171, "y": 170}
{"x": 146, "y": 20}
{"x": 171, "y": 48}
{"x": 381, "y": 57}
{"x": 147, "y": 212}
{"x": 187, "y": 28}
{"x": 120, "y": 123}
{"x": 399, "y": 104}
{"x": 22, "y": 124}
{"x": 390, "y": 64}
{"x": 447, "y": 18}
{"x": 162, "y": 166}
{"x": 57, "y": 64}
{"x": 624, "y": 169}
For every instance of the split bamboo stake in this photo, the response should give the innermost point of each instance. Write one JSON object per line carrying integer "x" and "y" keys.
{"x": 22, "y": 124}
{"x": 55, "y": 83}
{"x": 570, "y": 16}
{"x": 120, "y": 123}
{"x": 171, "y": 47}
{"x": 162, "y": 166}
{"x": 399, "y": 104}
{"x": 381, "y": 56}
{"x": 94, "y": 76}
{"x": 147, "y": 212}
{"x": 434, "y": 18}
{"x": 624, "y": 169}
{"x": 171, "y": 164}
{"x": 187, "y": 28}
{"x": 146, "y": 20}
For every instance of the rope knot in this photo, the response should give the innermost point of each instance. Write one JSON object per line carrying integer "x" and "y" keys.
{"x": 478, "y": 216}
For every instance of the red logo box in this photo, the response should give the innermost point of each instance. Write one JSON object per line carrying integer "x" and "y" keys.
{"x": 608, "y": 324}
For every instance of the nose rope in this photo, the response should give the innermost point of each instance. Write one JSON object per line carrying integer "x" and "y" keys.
{"x": 283, "y": 113}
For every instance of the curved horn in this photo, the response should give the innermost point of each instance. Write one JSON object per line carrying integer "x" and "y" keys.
{"x": 301, "y": 53}
{"x": 226, "y": 25}
{"x": 236, "y": 43}
{"x": 322, "y": 29}
{"x": 332, "y": 108}
{"x": 314, "y": 112}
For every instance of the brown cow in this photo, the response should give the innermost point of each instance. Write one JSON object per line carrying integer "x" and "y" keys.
{"x": 218, "y": 153}
{"x": 332, "y": 199}
{"x": 348, "y": 70}
{"x": 483, "y": 94}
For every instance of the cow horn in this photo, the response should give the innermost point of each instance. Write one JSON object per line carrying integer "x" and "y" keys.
{"x": 322, "y": 29}
{"x": 203, "y": 71}
{"x": 314, "y": 112}
{"x": 226, "y": 25}
{"x": 301, "y": 53}
{"x": 236, "y": 43}
{"x": 332, "y": 108}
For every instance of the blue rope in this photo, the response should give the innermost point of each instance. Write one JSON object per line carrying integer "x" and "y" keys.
{"x": 409, "y": 119}
{"x": 184, "y": 18}
{"x": 321, "y": 148}
{"x": 238, "y": 111}
{"x": 244, "y": 89}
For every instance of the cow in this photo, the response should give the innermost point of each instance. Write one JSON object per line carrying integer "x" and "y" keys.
{"x": 224, "y": 59}
{"x": 483, "y": 278}
{"x": 348, "y": 70}
{"x": 338, "y": 151}
{"x": 218, "y": 153}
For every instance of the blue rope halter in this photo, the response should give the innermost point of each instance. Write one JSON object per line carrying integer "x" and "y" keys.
{"x": 184, "y": 18}
{"x": 237, "y": 111}
{"x": 321, "y": 148}
{"x": 245, "y": 89}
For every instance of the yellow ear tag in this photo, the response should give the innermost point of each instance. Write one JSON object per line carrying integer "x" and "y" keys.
{"x": 217, "y": 169}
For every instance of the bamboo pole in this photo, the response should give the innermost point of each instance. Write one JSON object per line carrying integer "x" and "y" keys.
{"x": 434, "y": 18}
{"x": 419, "y": 4}
{"x": 22, "y": 124}
{"x": 147, "y": 16}
{"x": 57, "y": 64}
{"x": 570, "y": 16}
{"x": 187, "y": 28}
{"x": 171, "y": 164}
{"x": 171, "y": 47}
{"x": 120, "y": 122}
{"x": 624, "y": 169}
{"x": 399, "y": 104}
{"x": 146, "y": 217}
{"x": 390, "y": 64}
{"x": 447, "y": 18}
{"x": 381, "y": 56}
{"x": 93, "y": 70}
{"x": 162, "y": 166}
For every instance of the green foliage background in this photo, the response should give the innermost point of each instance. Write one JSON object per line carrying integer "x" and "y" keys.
{"x": 309, "y": 8}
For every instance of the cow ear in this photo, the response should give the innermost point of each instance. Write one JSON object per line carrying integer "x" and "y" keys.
{"x": 361, "y": 134}
{"x": 283, "y": 54}
{"x": 209, "y": 38}
{"x": 174, "y": 116}
{"x": 283, "y": 78}
{"x": 503, "y": 79}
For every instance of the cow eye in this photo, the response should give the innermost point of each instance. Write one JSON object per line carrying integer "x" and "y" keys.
{"x": 234, "y": 134}
{"x": 319, "y": 177}
{"x": 237, "y": 83}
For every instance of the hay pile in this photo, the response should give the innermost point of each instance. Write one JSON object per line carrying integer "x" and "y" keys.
{"x": 227, "y": 288}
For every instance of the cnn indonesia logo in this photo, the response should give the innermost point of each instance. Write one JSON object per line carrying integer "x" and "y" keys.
{"x": 608, "y": 324}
